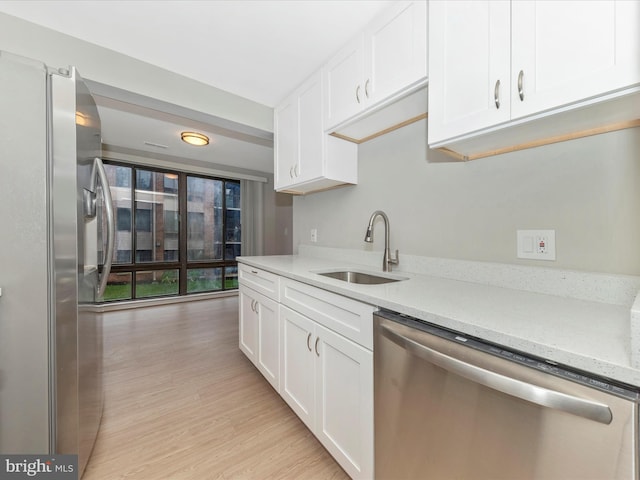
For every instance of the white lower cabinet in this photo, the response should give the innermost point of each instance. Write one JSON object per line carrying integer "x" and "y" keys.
{"x": 248, "y": 326}
{"x": 259, "y": 333}
{"x": 328, "y": 381}
{"x": 297, "y": 364}
{"x": 315, "y": 348}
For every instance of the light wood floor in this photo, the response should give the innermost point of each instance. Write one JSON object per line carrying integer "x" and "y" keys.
{"x": 182, "y": 402}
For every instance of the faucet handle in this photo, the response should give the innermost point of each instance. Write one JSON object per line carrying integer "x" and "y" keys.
{"x": 388, "y": 261}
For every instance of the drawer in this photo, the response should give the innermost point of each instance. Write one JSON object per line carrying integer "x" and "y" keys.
{"x": 349, "y": 318}
{"x": 259, "y": 280}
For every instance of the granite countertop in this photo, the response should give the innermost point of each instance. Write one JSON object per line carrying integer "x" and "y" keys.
{"x": 593, "y": 336}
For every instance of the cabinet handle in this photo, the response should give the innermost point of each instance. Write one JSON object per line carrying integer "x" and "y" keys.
{"x": 308, "y": 344}
{"x": 521, "y": 85}
{"x": 254, "y": 305}
{"x": 366, "y": 88}
{"x": 257, "y": 309}
{"x": 358, "y": 93}
{"x": 295, "y": 170}
{"x": 316, "y": 346}
{"x": 255, "y": 272}
{"x": 291, "y": 172}
{"x": 496, "y": 94}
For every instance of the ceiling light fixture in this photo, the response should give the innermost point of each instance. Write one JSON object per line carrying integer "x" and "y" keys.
{"x": 194, "y": 138}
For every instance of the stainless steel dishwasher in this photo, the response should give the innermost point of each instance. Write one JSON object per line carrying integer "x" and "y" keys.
{"x": 448, "y": 406}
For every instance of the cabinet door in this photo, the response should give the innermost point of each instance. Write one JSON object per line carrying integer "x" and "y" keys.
{"x": 395, "y": 50}
{"x": 311, "y": 150}
{"x": 285, "y": 124}
{"x": 268, "y": 340}
{"x": 344, "y": 402}
{"x": 569, "y": 51}
{"x": 344, "y": 86}
{"x": 248, "y": 323}
{"x": 469, "y": 66}
{"x": 297, "y": 364}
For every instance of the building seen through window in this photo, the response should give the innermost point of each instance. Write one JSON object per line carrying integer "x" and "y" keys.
{"x": 156, "y": 253}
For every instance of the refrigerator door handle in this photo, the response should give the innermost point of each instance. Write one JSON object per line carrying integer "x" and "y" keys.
{"x": 532, "y": 393}
{"x": 98, "y": 173}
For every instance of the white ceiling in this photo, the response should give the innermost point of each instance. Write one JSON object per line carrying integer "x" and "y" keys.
{"x": 258, "y": 49}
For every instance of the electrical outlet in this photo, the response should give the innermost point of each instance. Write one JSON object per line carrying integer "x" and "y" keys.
{"x": 542, "y": 244}
{"x": 536, "y": 244}
{"x": 314, "y": 235}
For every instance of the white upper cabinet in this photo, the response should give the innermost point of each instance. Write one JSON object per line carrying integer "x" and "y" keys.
{"x": 383, "y": 61}
{"x": 285, "y": 125}
{"x": 306, "y": 159}
{"x": 469, "y": 62}
{"x": 383, "y": 67}
{"x": 395, "y": 50}
{"x": 503, "y": 67}
{"x": 310, "y": 145}
{"x": 298, "y": 124}
{"x": 564, "y": 52}
{"x": 344, "y": 84}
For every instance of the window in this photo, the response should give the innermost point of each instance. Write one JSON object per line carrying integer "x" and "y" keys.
{"x": 171, "y": 183}
{"x": 170, "y": 221}
{"x": 122, "y": 256}
{"x": 123, "y": 219}
{"x": 195, "y": 189}
{"x": 195, "y": 235}
{"x": 122, "y": 177}
{"x": 156, "y": 253}
{"x": 143, "y": 220}
{"x": 143, "y": 179}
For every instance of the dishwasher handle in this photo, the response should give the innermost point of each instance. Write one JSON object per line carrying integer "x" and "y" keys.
{"x": 591, "y": 410}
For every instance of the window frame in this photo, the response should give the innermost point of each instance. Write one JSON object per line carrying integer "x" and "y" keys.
{"x": 183, "y": 264}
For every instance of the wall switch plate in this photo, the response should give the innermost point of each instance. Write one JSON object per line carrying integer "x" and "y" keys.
{"x": 536, "y": 244}
{"x": 314, "y": 235}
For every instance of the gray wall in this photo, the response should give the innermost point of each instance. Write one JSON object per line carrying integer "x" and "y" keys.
{"x": 587, "y": 190}
{"x": 278, "y": 221}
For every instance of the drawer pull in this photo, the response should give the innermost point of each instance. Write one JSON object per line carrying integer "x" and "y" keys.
{"x": 308, "y": 344}
{"x": 316, "y": 346}
{"x": 255, "y": 272}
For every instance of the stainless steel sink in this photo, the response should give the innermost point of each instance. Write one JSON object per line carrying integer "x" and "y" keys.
{"x": 360, "y": 277}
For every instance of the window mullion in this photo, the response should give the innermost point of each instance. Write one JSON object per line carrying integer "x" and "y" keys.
{"x": 182, "y": 227}
{"x": 224, "y": 228}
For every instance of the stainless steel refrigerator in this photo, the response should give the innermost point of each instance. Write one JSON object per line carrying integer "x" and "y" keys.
{"x": 51, "y": 188}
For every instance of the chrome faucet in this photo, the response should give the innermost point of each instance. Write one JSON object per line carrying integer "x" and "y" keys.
{"x": 387, "y": 261}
